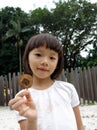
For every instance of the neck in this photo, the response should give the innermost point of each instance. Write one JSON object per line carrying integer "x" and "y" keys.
{"x": 42, "y": 83}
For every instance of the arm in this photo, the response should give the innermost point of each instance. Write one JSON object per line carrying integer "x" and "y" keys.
{"x": 78, "y": 118}
{"x": 22, "y": 124}
{"x": 28, "y": 125}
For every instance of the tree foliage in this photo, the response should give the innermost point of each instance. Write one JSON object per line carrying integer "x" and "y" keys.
{"x": 14, "y": 35}
{"x": 74, "y": 22}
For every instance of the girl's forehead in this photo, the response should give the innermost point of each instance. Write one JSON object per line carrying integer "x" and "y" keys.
{"x": 44, "y": 49}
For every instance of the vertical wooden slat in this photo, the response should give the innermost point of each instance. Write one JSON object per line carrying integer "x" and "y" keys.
{"x": 18, "y": 87}
{"x": 86, "y": 85}
{"x": 71, "y": 77}
{"x": 82, "y": 90}
{"x": 14, "y": 83}
{"x": 2, "y": 98}
{"x": 94, "y": 82}
{"x": 76, "y": 78}
{"x": 6, "y": 91}
{"x": 10, "y": 85}
{"x": 91, "y": 96}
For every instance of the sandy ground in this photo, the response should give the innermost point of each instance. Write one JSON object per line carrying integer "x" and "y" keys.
{"x": 8, "y": 118}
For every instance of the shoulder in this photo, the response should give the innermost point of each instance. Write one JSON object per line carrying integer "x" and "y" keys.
{"x": 65, "y": 85}
{"x": 68, "y": 90}
{"x": 63, "y": 82}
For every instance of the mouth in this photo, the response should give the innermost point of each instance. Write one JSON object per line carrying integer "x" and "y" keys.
{"x": 43, "y": 69}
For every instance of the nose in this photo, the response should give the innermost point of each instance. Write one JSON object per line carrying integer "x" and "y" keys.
{"x": 45, "y": 61}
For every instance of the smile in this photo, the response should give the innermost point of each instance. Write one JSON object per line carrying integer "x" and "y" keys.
{"x": 42, "y": 69}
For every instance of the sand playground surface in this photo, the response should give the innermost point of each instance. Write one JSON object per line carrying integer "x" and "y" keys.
{"x": 8, "y": 119}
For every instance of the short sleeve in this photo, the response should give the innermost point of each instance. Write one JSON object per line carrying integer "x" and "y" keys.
{"x": 68, "y": 92}
{"x": 19, "y": 118}
{"x": 74, "y": 97}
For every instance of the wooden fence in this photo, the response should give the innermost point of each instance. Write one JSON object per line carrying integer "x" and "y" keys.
{"x": 85, "y": 82}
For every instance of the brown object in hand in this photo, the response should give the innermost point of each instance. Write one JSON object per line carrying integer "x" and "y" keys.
{"x": 25, "y": 81}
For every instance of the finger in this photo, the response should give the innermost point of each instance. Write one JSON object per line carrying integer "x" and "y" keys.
{"x": 23, "y": 110}
{"x": 28, "y": 96}
{"x": 30, "y": 101}
{"x": 22, "y": 93}
{"x": 19, "y": 104}
{"x": 21, "y": 96}
{"x": 13, "y": 101}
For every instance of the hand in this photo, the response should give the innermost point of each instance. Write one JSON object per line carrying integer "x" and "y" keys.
{"x": 24, "y": 104}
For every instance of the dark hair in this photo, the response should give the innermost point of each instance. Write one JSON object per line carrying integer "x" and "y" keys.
{"x": 49, "y": 41}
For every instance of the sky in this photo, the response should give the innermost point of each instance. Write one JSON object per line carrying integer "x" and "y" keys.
{"x": 27, "y": 5}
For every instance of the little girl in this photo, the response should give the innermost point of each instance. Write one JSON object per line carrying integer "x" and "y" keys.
{"x": 49, "y": 104}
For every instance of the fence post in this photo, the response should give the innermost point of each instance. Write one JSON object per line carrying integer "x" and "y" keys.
{"x": 82, "y": 90}
{"x": 6, "y": 90}
{"x": 2, "y": 98}
{"x": 10, "y": 85}
{"x": 94, "y": 82}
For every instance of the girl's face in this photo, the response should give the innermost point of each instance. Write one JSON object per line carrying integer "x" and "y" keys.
{"x": 43, "y": 62}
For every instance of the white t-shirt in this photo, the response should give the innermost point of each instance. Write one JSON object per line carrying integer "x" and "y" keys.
{"x": 54, "y": 106}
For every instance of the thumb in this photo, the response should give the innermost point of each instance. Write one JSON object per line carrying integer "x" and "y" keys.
{"x": 28, "y": 96}
{"x": 30, "y": 101}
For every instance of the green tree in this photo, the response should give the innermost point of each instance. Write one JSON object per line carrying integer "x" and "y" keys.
{"x": 10, "y": 18}
{"x": 8, "y": 59}
{"x": 16, "y": 32}
{"x": 74, "y": 22}
{"x": 91, "y": 59}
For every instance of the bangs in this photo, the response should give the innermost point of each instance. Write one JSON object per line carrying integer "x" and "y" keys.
{"x": 45, "y": 40}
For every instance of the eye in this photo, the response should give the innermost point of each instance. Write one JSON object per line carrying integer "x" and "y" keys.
{"x": 38, "y": 54}
{"x": 52, "y": 58}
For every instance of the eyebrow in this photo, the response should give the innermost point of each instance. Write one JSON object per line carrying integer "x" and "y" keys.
{"x": 53, "y": 52}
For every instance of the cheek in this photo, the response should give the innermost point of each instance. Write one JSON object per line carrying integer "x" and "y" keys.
{"x": 30, "y": 60}
{"x": 33, "y": 64}
{"x": 54, "y": 65}
{"x": 30, "y": 63}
